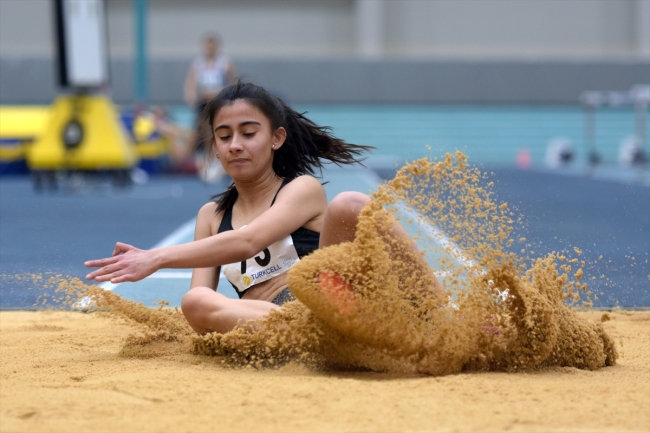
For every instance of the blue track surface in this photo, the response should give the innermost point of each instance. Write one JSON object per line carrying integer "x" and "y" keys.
{"x": 54, "y": 233}
{"x": 605, "y": 212}
{"x": 601, "y": 217}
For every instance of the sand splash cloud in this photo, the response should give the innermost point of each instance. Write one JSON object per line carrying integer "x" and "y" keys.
{"x": 465, "y": 303}
{"x": 461, "y": 301}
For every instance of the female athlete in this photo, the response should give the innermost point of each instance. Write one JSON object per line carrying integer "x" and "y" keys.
{"x": 274, "y": 213}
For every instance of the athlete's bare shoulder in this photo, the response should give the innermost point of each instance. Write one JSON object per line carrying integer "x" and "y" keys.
{"x": 208, "y": 218}
{"x": 306, "y": 184}
{"x": 309, "y": 179}
{"x": 304, "y": 190}
{"x": 208, "y": 209}
{"x": 303, "y": 200}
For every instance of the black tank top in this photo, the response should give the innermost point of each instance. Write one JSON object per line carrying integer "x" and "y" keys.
{"x": 304, "y": 240}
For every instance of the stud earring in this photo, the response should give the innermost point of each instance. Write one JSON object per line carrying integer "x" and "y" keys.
{"x": 273, "y": 146}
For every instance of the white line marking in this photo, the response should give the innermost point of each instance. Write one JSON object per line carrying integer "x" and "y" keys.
{"x": 435, "y": 234}
{"x": 371, "y": 178}
{"x": 179, "y": 275}
{"x": 108, "y": 286}
{"x": 156, "y": 275}
{"x": 177, "y": 235}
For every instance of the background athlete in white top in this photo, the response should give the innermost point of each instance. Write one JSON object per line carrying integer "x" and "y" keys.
{"x": 208, "y": 74}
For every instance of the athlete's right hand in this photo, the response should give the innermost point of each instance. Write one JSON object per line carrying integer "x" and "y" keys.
{"x": 127, "y": 264}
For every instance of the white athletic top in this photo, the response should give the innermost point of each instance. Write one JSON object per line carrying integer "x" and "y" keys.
{"x": 211, "y": 78}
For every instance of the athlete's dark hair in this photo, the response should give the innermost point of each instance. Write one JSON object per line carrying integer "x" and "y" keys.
{"x": 306, "y": 147}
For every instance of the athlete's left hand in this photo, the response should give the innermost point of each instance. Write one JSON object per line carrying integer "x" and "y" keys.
{"x": 127, "y": 264}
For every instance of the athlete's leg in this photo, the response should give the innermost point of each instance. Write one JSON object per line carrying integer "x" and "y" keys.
{"x": 341, "y": 218}
{"x": 340, "y": 224}
{"x": 209, "y": 311}
{"x": 353, "y": 290}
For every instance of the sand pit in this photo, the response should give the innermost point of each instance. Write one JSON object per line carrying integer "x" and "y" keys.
{"x": 62, "y": 372}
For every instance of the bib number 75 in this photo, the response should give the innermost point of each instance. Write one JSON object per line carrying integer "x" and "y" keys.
{"x": 262, "y": 261}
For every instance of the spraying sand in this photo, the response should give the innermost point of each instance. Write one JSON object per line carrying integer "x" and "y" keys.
{"x": 375, "y": 303}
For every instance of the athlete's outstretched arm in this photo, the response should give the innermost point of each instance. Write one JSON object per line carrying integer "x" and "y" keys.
{"x": 298, "y": 203}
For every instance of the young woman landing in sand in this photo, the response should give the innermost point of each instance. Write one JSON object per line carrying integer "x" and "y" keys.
{"x": 371, "y": 284}
{"x": 273, "y": 214}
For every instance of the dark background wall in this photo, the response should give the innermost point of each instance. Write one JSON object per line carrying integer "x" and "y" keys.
{"x": 33, "y": 81}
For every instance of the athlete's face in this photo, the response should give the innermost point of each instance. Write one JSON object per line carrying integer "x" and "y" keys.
{"x": 244, "y": 140}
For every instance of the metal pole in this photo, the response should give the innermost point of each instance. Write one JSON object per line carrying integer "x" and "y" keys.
{"x": 641, "y": 98}
{"x": 141, "y": 73}
{"x": 590, "y": 134}
{"x": 591, "y": 100}
{"x": 641, "y": 108}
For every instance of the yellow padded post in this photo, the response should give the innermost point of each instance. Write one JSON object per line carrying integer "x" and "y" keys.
{"x": 22, "y": 122}
{"x": 105, "y": 145}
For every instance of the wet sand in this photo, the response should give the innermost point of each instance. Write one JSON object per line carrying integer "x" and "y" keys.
{"x": 62, "y": 372}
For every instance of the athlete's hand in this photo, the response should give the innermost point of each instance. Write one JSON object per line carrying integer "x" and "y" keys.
{"x": 127, "y": 264}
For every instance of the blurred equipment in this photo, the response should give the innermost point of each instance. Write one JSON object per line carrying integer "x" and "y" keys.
{"x": 640, "y": 96}
{"x": 19, "y": 127}
{"x": 523, "y": 159}
{"x": 590, "y": 101}
{"x": 211, "y": 171}
{"x": 632, "y": 150}
{"x": 559, "y": 152}
{"x": 150, "y": 143}
{"x": 83, "y": 132}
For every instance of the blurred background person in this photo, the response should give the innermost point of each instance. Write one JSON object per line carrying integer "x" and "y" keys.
{"x": 207, "y": 75}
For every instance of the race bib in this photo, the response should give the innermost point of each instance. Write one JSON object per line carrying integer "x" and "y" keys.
{"x": 269, "y": 263}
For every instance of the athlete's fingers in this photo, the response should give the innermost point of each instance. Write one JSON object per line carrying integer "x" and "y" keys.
{"x": 122, "y": 279}
{"x": 98, "y": 275}
{"x": 121, "y": 247}
{"x": 130, "y": 264}
{"x": 100, "y": 262}
{"x": 104, "y": 273}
